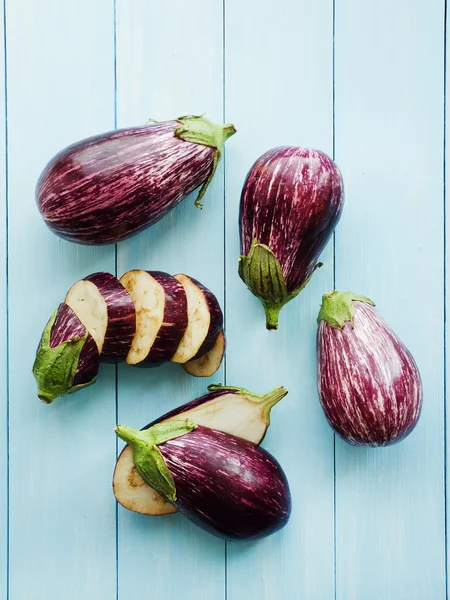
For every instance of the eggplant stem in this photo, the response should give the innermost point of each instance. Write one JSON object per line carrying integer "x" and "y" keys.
{"x": 270, "y": 399}
{"x": 272, "y": 312}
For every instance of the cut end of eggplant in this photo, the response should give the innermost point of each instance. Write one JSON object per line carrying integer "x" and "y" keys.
{"x": 133, "y": 493}
{"x": 230, "y": 409}
{"x": 149, "y": 299}
{"x": 86, "y": 301}
{"x": 199, "y": 319}
{"x": 209, "y": 363}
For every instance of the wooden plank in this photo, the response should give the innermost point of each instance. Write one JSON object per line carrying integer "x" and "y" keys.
{"x": 3, "y": 321}
{"x": 169, "y": 63}
{"x": 389, "y": 142}
{"x": 279, "y": 92}
{"x": 62, "y": 511}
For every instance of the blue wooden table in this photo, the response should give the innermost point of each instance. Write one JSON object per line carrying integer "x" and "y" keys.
{"x": 363, "y": 81}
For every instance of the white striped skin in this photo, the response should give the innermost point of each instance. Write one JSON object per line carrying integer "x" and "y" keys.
{"x": 369, "y": 384}
{"x": 111, "y": 186}
{"x": 291, "y": 201}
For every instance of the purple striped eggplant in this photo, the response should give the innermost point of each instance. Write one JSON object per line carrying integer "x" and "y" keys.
{"x": 108, "y": 187}
{"x": 228, "y": 486}
{"x": 147, "y": 318}
{"x": 369, "y": 384}
{"x": 67, "y": 357}
{"x": 107, "y": 309}
{"x": 291, "y": 202}
{"x": 228, "y": 409}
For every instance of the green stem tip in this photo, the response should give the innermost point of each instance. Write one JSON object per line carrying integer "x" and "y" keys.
{"x": 338, "y": 307}
{"x": 270, "y": 399}
{"x": 267, "y": 401}
{"x": 261, "y": 272}
{"x": 200, "y": 130}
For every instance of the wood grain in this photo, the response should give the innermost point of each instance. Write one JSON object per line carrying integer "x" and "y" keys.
{"x": 61, "y": 508}
{"x": 389, "y": 143}
{"x": 279, "y": 59}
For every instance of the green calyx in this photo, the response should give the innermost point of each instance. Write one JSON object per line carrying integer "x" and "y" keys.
{"x": 200, "y": 130}
{"x": 337, "y": 307}
{"x": 148, "y": 460}
{"x": 261, "y": 272}
{"x": 54, "y": 368}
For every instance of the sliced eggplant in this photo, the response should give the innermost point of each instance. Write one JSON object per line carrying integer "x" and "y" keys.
{"x": 216, "y": 319}
{"x": 199, "y": 319}
{"x": 149, "y": 299}
{"x": 87, "y": 302}
{"x": 232, "y": 410}
{"x": 175, "y": 321}
{"x": 207, "y": 365}
{"x": 226, "y": 485}
{"x": 67, "y": 357}
{"x": 121, "y": 315}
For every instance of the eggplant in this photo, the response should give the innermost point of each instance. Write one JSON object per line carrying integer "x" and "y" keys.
{"x": 369, "y": 384}
{"x": 111, "y": 186}
{"x": 199, "y": 319}
{"x": 291, "y": 202}
{"x": 67, "y": 358}
{"x": 226, "y": 485}
{"x": 162, "y": 316}
{"x": 230, "y": 409}
{"x": 147, "y": 318}
{"x": 215, "y": 322}
{"x": 107, "y": 310}
{"x": 207, "y": 364}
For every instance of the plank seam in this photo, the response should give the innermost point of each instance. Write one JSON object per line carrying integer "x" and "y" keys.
{"x": 224, "y": 114}
{"x": 444, "y": 183}
{"x": 5, "y": 115}
{"x": 116, "y": 370}
{"x": 333, "y": 68}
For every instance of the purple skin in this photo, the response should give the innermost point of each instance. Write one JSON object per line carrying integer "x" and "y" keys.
{"x": 291, "y": 201}
{"x": 228, "y": 486}
{"x": 369, "y": 384}
{"x": 108, "y": 187}
{"x": 216, "y": 323}
{"x": 174, "y": 322}
{"x": 290, "y": 204}
{"x": 66, "y": 327}
{"x": 121, "y": 317}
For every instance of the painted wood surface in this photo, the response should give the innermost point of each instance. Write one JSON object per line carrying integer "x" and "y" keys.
{"x": 361, "y": 81}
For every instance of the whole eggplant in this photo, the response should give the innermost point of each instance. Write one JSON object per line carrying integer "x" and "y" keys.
{"x": 67, "y": 358}
{"x": 291, "y": 202}
{"x": 229, "y": 486}
{"x": 230, "y": 409}
{"x": 108, "y": 187}
{"x": 369, "y": 384}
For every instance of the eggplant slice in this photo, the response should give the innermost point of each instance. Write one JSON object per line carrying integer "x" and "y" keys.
{"x": 86, "y": 301}
{"x": 207, "y": 365}
{"x": 199, "y": 319}
{"x": 149, "y": 300}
